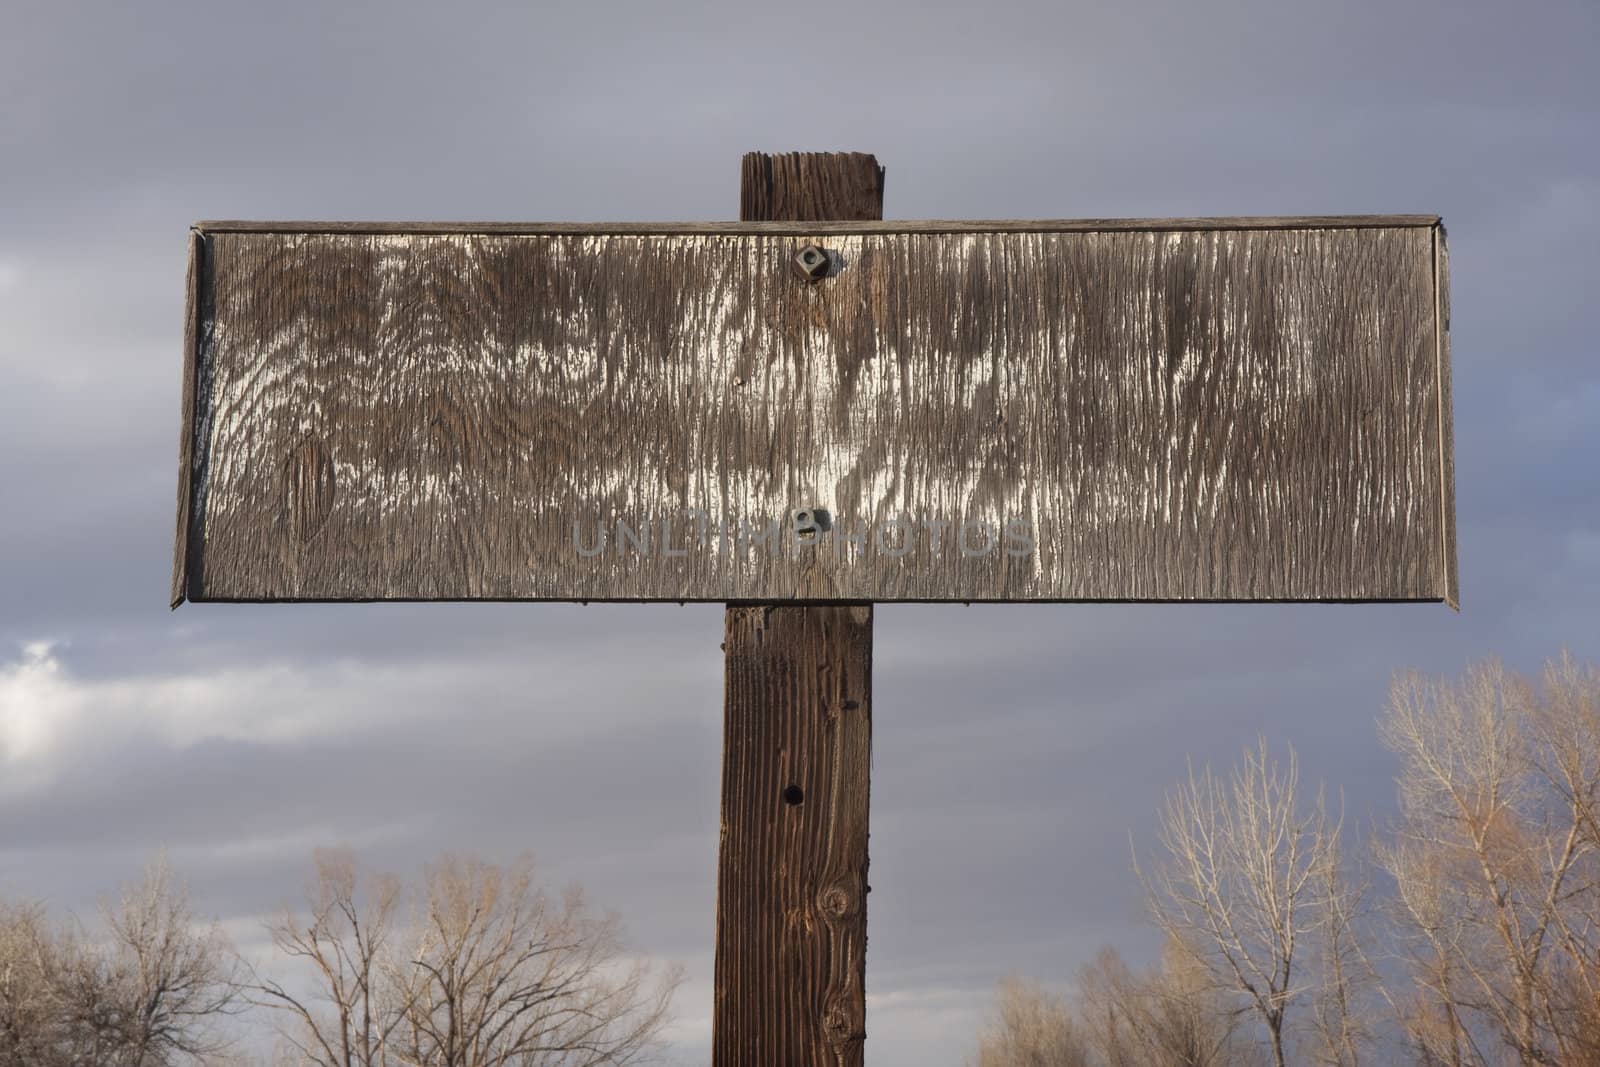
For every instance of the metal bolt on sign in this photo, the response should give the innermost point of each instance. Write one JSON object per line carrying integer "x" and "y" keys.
{"x": 811, "y": 263}
{"x": 808, "y": 524}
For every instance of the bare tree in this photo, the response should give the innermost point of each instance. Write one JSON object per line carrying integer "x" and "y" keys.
{"x": 1346, "y": 980}
{"x": 345, "y": 940}
{"x": 1494, "y": 859}
{"x": 173, "y": 982}
{"x": 30, "y": 1030}
{"x": 490, "y": 971}
{"x": 151, "y": 991}
{"x": 501, "y": 974}
{"x": 1431, "y": 931}
{"x": 1031, "y": 1027}
{"x": 1111, "y": 1005}
{"x": 1238, "y": 884}
{"x": 1494, "y": 911}
{"x": 1170, "y": 1016}
{"x": 1566, "y": 725}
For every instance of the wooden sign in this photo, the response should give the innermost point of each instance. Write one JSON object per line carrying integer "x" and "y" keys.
{"x": 1214, "y": 409}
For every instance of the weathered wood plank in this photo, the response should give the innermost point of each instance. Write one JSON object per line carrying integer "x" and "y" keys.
{"x": 796, "y": 760}
{"x": 186, "y": 432}
{"x": 810, "y": 187}
{"x": 1230, "y": 413}
{"x": 1447, "y": 448}
{"x": 791, "y": 227}
{"x": 792, "y": 876}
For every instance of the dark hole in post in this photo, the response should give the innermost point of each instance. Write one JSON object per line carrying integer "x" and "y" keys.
{"x": 793, "y": 795}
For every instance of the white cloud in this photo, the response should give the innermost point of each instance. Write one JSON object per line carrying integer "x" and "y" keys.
{"x": 50, "y": 715}
{"x": 33, "y": 704}
{"x": 45, "y": 708}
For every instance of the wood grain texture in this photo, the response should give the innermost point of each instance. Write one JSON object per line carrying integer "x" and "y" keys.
{"x": 798, "y": 228}
{"x": 1214, "y": 414}
{"x": 792, "y": 877}
{"x": 186, "y": 432}
{"x": 810, "y": 187}
{"x": 1447, "y": 448}
{"x": 796, "y": 760}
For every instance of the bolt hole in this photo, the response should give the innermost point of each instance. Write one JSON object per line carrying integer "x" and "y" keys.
{"x": 793, "y": 795}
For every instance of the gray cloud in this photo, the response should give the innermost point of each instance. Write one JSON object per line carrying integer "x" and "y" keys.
{"x": 1016, "y": 748}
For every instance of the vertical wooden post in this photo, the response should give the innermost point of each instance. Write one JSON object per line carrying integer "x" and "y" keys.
{"x": 797, "y": 747}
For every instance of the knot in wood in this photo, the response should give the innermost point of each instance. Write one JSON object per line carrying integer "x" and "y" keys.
{"x": 836, "y": 902}
{"x": 307, "y": 489}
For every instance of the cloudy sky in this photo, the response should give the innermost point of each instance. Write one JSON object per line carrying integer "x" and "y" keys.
{"x": 1016, "y": 748}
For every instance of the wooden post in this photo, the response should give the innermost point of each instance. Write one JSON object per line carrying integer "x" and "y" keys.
{"x": 797, "y": 747}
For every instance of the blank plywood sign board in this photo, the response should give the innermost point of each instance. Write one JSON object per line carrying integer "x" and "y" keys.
{"x": 1222, "y": 409}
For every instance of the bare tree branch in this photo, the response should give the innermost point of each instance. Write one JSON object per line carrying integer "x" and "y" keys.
{"x": 1237, "y": 885}
{"x": 490, "y": 972}
{"x": 1494, "y": 860}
